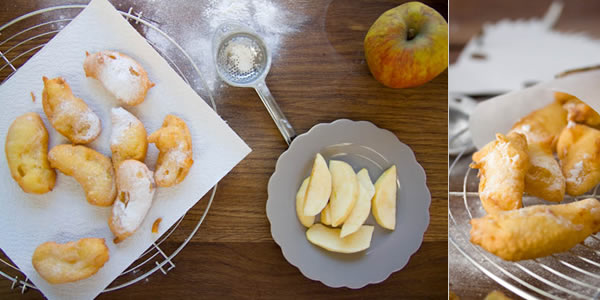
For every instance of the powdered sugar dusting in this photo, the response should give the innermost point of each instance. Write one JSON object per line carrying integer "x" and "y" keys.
{"x": 550, "y": 164}
{"x": 174, "y": 158}
{"x": 178, "y": 156}
{"x": 121, "y": 121}
{"x": 273, "y": 21}
{"x": 588, "y": 204}
{"x": 560, "y": 220}
{"x": 219, "y": 12}
{"x": 242, "y": 56}
{"x": 557, "y": 185}
{"x": 525, "y": 129}
{"x": 117, "y": 77}
{"x": 575, "y": 172}
{"x": 545, "y": 212}
{"x": 129, "y": 215}
{"x": 497, "y": 158}
{"x": 87, "y": 123}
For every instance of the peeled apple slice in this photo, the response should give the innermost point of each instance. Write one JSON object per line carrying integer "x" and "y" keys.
{"x": 326, "y": 215}
{"x": 305, "y": 220}
{"x": 362, "y": 208}
{"x": 329, "y": 238}
{"x": 319, "y": 187}
{"x": 384, "y": 201}
{"x": 344, "y": 191}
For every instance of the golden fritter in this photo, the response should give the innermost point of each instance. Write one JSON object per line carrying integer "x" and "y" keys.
{"x": 69, "y": 115}
{"x": 122, "y": 76}
{"x": 26, "y": 150}
{"x": 91, "y": 169}
{"x": 73, "y": 261}
{"x": 135, "y": 186}
{"x": 502, "y": 166}
{"x": 452, "y": 296}
{"x": 562, "y": 98}
{"x": 128, "y": 138}
{"x": 577, "y": 110}
{"x": 578, "y": 150}
{"x": 536, "y": 231}
{"x": 496, "y": 295}
{"x": 543, "y": 125}
{"x": 174, "y": 142}
{"x": 544, "y": 179}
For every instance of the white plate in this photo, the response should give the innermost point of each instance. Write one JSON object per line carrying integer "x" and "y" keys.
{"x": 362, "y": 145}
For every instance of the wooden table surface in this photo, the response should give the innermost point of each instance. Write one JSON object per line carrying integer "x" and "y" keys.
{"x": 320, "y": 75}
{"x": 467, "y": 18}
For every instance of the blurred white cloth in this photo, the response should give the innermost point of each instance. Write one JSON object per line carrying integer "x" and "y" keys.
{"x": 511, "y": 54}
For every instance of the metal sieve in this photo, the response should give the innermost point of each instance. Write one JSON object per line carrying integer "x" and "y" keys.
{"x": 243, "y": 60}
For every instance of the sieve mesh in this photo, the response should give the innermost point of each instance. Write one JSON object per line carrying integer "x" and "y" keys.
{"x": 241, "y": 58}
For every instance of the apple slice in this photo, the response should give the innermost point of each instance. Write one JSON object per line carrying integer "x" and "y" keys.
{"x": 319, "y": 187}
{"x": 326, "y": 215}
{"x": 329, "y": 238}
{"x": 344, "y": 191}
{"x": 384, "y": 201}
{"x": 362, "y": 208}
{"x": 365, "y": 181}
{"x": 305, "y": 220}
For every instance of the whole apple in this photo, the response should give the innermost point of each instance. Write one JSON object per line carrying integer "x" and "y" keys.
{"x": 407, "y": 45}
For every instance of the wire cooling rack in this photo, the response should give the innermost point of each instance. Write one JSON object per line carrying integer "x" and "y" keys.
{"x": 20, "y": 39}
{"x": 574, "y": 274}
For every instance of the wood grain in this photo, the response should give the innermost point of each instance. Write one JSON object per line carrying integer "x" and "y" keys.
{"x": 319, "y": 75}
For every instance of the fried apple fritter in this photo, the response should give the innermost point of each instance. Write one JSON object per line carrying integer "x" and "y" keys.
{"x": 174, "y": 142}
{"x": 536, "y": 231}
{"x": 496, "y": 295}
{"x": 502, "y": 166}
{"x": 452, "y": 296}
{"x": 91, "y": 169}
{"x": 562, "y": 98}
{"x": 128, "y": 138}
{"x": 543, "y": 125}
{"x": 577, "y": 110}
{"x": 544, "y": 178}
{"x": 69, "y": 115}
{"x": 135, "y": 186}
{"x": 26, "y": 150}
{"x": 73, "y": 261}
{"x": 578, "y": 150}
{"x": 120, "y": 74}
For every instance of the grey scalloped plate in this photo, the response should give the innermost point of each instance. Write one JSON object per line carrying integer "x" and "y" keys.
{"x": 362, "y": 145}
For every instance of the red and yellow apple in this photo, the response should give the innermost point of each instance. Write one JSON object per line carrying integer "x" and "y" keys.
{"x": 407, "y": 46}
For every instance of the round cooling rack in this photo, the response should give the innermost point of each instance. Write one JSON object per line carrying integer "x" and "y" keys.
{"x": 21, "y": 38}
{"x": 574, "y": 274}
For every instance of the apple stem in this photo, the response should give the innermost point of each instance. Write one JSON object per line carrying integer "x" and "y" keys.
{"x": 411, "y": 34}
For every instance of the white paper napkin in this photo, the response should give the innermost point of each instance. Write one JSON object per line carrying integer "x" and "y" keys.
{"x": 510, "y": 54}
{"x": 498, "y": 114}
{"x": 63, "y": 214}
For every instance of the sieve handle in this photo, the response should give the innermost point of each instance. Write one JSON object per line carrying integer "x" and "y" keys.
{"x": 281, "y": 121}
